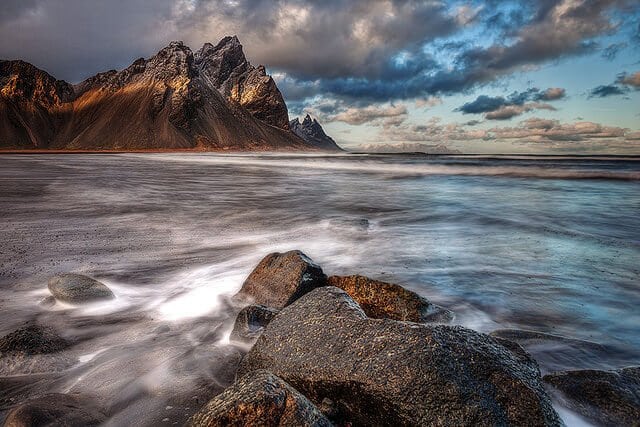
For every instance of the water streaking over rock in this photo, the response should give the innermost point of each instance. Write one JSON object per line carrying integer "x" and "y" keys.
{"x": 536, "y": 244}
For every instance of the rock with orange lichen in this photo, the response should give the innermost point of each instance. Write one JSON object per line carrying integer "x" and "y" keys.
{"x": 259, "y": 398}
{"x": 381, "y": 300}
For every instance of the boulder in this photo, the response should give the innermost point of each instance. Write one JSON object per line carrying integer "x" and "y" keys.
{"x": 386, "y": 372}
{"x": 33, "y": 339}
{"x": 610, "y": 397}
{"x": 281, "y": 278}
{"x": 381, "y": 300}
{"x": 76, "y": 289}
{"x": 259, "y": 398}
{"x": 250, "y": 323}
{"x": 559, "y": 353}
{"x": 33, "y": 349}
{"x": 55, "y": 409}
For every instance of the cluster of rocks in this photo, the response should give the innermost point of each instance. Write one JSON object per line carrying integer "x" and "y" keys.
{"x": 349, "y": 350}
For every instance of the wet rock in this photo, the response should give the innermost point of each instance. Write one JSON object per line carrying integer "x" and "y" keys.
{"x": 259, "y": 398}
{"x": 250, "y": 323}
{"x": 385, "y": 372}
{"x": 55, "y": 409}
{"x": 33, "y": 339}
{"x": 48, "y": 301}
{"x": 33, "y": 349}
{"x": 559, "y": 353}
{"x": 76, "y": 289}
{"x": 519, "y": 352}
{"x": 610, "y": 397}
{"x": 381, "y": 300}
{"x": 281, "y": 278}
{"x": 527, "y": 338}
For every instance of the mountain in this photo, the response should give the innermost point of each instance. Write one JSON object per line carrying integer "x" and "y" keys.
{"x": 211, "y": 100}
{"x": 311, "y": 131}
{"x": 406, "y": 147}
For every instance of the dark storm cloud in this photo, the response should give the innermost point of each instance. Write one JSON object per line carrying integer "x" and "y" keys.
{"x": 501, "y": 108}
{"x": 624, "y": 83}
{"x": 73, "y": 39}
{"x": 12, "y": 9}
{"x": 604, "y": 91}
{"x": 482, "y": 104}
{"x": 360, "y": 51}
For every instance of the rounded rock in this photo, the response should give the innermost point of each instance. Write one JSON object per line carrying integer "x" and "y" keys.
{"x": 77, "y": 289}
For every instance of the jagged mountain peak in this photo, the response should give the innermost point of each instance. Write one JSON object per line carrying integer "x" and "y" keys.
{"x": 311, "y": 131}
{"x": 213, "y": 99}
{"x": 23, "y": 81}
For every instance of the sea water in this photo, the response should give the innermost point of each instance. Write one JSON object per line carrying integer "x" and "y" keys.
{"x": 550, "y": 244}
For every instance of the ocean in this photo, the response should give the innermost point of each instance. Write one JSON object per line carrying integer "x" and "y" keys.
{"x": 543, "y": 243}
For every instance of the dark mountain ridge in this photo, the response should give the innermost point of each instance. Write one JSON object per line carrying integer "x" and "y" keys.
{"x": 311, "y": 131}
{"x": 211, "y": 100}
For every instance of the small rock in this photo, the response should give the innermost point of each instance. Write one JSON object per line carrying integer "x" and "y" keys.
{"x": 381, "y": 300}
{"x": 33, "y": 349}
{"x": 610, "y": 397}
{"x": 48, "y": 301}
{"x": 76, "y": 289}
{"x": 55, "y": 409}
{"x": 386, "y": 372}
{"x": 259, "y": 398}
{"x": 281, "y": 278}
{"x": 250, "y": 323}
{"x": 33, "y": 339}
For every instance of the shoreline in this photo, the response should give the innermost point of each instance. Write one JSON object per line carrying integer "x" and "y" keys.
{"x": 387, "y": 348}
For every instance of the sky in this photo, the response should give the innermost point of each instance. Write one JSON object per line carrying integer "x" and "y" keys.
{"x": 516, "y": 76}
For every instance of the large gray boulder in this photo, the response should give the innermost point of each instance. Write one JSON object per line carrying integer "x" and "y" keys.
{"x": 382, "y": 300}
{"x": 609, "y": 397}
{"x": 281, "y": 278}
{"x": 76, "y": 289}
{"x": 55, "y": 409}
{"x": 259, "y": 398}
{"x": 385, "y": 372}
{"x": 250, "y": 323}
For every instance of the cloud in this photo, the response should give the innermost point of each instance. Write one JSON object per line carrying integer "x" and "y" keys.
{"x": 501, "y": 108}
{"x": 604, "y": 91}
{"x": 428, "y": 102}
{"x": 533, "y": 130}
{"x": 623, "y": 84}
{"x": 632, "y": 80}
{"x": 73, "y": 39}
{"x": 482, "y": 104}
{"x": 552, "y": 94}
{"x": 393, "y": 114}
{"x": 361, "y": 50}
{"x": 508, "y": 111}
{"x": 611, "y": 52}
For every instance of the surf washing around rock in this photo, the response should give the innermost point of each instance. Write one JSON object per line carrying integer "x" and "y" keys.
{"x": 313, "y": 350}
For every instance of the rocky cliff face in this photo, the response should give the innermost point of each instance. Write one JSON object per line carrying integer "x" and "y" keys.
{"x": 311, "y": 131}
{"x": 211, "y": 100}
{"x": 226, "y": 67}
